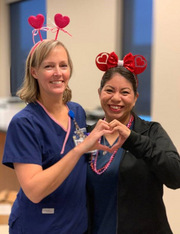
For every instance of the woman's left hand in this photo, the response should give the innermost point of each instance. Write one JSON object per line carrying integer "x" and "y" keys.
{"x": 123, "y": 131}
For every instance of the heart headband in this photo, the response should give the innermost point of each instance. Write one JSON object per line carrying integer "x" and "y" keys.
{"x": 134, "y": 63}
{"x": 37, "y": 23}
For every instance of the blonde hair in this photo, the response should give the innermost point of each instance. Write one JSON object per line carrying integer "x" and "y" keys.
{"x": 29, "y": 92}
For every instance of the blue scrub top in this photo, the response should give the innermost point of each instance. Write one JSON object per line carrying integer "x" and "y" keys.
{"x": 102, "y": 190}
{"x": 34, "y": 137}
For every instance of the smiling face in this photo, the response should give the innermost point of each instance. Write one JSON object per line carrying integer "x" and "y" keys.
{"x": 117, "y": 98}
{"x": 53, "y": 74}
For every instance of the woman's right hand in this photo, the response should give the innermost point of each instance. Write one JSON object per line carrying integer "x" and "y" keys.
{"x": 92, "y": 141}
{"x": 38, "y": 183}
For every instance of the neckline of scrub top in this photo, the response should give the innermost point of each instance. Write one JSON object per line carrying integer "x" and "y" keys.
{"x": 69, "y": 124}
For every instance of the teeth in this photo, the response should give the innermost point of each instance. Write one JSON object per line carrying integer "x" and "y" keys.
{"x": 56, "y": 82}
{"x": 115, "y": 107}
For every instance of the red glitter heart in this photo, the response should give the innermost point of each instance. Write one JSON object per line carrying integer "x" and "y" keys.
{"x": 36, "y": 21}
{"x": 61, "y": 21}
{"x": 140, "y": 64}
{"x": 139, "y": 61}
{"x": 101, "y": 61}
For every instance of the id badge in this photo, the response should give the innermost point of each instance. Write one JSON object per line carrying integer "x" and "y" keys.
{"x": 79, "y": 135}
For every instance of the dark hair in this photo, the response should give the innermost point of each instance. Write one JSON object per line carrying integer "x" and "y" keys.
{"x": 122, "y": 71}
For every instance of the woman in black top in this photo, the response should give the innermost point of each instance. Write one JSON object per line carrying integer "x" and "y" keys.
{"x": 125, "y": 187}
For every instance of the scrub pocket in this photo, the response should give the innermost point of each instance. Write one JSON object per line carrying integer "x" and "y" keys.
{"x": 15, "y": 221}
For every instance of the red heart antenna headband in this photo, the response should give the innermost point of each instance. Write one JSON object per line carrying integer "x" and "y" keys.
{"x": 134, "y": 63}
{"x": 37, "y": 23}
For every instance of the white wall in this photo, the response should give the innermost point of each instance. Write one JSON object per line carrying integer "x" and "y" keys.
{"x": 4, "y": 50}
{"x": 166, "y": 85}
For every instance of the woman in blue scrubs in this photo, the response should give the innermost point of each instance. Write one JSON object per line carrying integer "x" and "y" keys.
{"x": 42, "y": 146}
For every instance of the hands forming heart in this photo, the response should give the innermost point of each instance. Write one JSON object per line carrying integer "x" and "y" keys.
{"x": 123, "y": 133}
{"x": 112, "y": 129}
